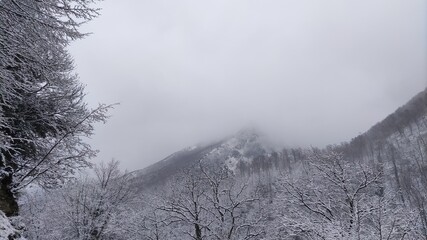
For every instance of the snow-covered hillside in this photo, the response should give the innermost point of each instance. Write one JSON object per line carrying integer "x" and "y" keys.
{"x": 242, "y": 148}
{"x": 372, "y": 187}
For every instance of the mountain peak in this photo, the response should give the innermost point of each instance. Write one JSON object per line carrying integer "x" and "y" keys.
{"x": 250, "y": 134}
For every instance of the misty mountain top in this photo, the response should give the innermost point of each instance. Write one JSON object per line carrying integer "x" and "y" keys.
{"x": 251, "y": 150}
{"x": 244, "y": 146}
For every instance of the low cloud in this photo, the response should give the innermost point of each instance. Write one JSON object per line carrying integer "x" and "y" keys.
{"x": 306, "y": 72}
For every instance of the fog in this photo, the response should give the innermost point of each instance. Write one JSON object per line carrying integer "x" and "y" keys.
{"x": 304, "y": 72}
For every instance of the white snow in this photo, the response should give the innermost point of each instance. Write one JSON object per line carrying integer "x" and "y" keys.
{"x": 231, "y": 164}
{"x": 6, "y": 228}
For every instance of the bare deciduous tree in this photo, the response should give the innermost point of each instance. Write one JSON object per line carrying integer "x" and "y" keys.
{"x": 338, "y": 199}
{"x": 81, "y": 210}
{"x": 210, "y": 203}
{"x": 43, "y": 116}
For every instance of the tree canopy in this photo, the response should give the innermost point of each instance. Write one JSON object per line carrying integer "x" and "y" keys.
{"x": 43, "y": 115}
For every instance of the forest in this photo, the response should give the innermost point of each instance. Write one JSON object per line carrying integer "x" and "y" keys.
{"x": 372, "y": 187}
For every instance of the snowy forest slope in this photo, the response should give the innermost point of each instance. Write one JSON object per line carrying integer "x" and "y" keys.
{"x": 373, "y": 187}
{"x": 402, "y": 133}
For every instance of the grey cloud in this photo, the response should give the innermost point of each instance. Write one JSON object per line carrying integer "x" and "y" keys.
{"x": 306, "y": 72}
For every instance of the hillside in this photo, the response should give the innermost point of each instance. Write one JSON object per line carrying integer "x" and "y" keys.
{"x": 372, "y": 187}
{"x": 405, "y": 130}
{"x": 410, "y": 120}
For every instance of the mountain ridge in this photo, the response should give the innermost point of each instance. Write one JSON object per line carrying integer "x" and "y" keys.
{"x": 246, "y": 147}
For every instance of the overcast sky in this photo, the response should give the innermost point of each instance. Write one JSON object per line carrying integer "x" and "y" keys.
{"x": 305, "y": 72}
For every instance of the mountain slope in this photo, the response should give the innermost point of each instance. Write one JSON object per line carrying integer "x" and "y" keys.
{"x": 408, "y": 120}
{"x": 162, "y": 170}
{"x": 400, "y": 139}
{"x": 245, "y": 147}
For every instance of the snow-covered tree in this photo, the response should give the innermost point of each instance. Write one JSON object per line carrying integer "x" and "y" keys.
{"x": 333, "y": 198}
{"x": 82, "y": 210}
{"x": 234, "y": 205}
{"x": 211, "y": 203}
{"x": 142, "y": 219}
{"x": 43, "y": 116}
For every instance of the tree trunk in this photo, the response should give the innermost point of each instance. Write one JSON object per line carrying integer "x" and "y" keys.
{"x": 8, "y": 202}
{"x": 198, "y": 231}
